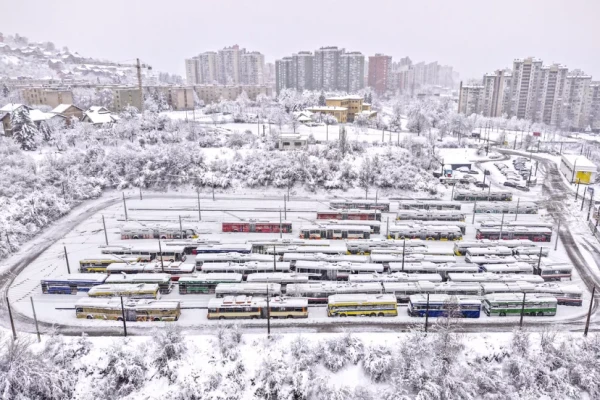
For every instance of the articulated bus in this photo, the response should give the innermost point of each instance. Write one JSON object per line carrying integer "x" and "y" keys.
{"x": 248, "y": 289}
{"x": 515, "y": 232}
{"x": 134, "y": 310}
{"x": 133, "y": 291}
{"x": 307, "y": 249}
{"x": 425, "y": 232}
{"x": 430, "y": 215}
{"x": 387, "y": 259}
{"x": 257, "y": 226}
{"x": 424, "y": 267}
{"x": 246, "y": 269}
{"x": 489, "y": 277}
{"x": 176, "y": 269}
{"x": 501, "y": 251}
{"x": 372, "y": 305}
{"x": 486, "y": 195}
{"x": 319, "y": 270}
{"x": 394, "y": 277}
{"x": 147, "y": 252}
{"x": 360, "y": 205}
{"x": 444, "y": 305}
{"x": 503, "y": 304}
{"x": 136, "y": 230}
{"x": 428, "y": 205}
{"x": 335, "y": 232}
{"x": 424, "y": 250}
{"x": 367, "y": 246}
{"x": 101, "y": 262}
{"x": 460, "y": 248}
{"x": 331, "y": 258}
{"x": 403, "y": 290}
{"x": 71, "y": 284}
{"x": 514, "y": 268}
{"x": 162, "y": 280}
{"x": 319, "y": 292}
{"x": 207, "y": 258}
{"x": 206, "y": 283}
{"x": 504, "y": 207}
{"x": 261, "y": 246}
{"x": 360, "y": 215}
{"x": 242, "y": 248}
{"x": 375, "y": 226}
{"x": 489, "y": 259}
{"x": 239, "y": 307}
{"x": 531, "y": 224}
{"x": 283, "y": 278}
{"x": 461, "y": 225}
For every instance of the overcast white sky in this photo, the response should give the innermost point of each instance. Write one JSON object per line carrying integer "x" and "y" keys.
{"x": 474, "y": 36}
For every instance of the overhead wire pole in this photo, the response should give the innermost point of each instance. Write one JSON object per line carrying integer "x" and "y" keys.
{"x": 557, "y": 235}
{"x": 587, "y": 320}
{"x": 139, "y": 76}
{"x": 181, "y": 228}
{"x": 12, "y": 322}
{"x": 37, "y": 329}
{"x": 105, "y": 234}
{"x": 162, "y": 263}
{"x": 199, "y": 209}
{"x": 517, "y": 213}
{"x": 501, "y": 226}
{"x": 474, "y": 211}
{"x": 522, "y": 311}
{"x": 67, "y": 260}
{"x": 125, "y": 206}
{"x": 123, "y": 317}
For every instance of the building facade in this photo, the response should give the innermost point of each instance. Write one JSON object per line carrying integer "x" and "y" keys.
{"x": 470, "y": 100}
{"x": 126, "y": 96}
{"x": 326, "y": 68}
{"x": 379, "y": 72}
{"x": 284, "y": 74}
{"x": 351, "y": 72}
{"x": 214, "y": 93}
{"x": 45, "y": 96}
{"x": 252, "y": 68}
{"x": 302, "y": 70}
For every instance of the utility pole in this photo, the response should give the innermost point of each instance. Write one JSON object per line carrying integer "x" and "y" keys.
{"x": 268, "y": 313}
{"x": 139, "y": 76}
{"x": 403, "y": 251}
{"x": 284, "y": 207}
{"x": 590, "y": 207}
{"x": 427, "y": 313}
{"x": 105, "y": 234}
{"x": 37, "y": 329}
{"x": 274, "y": 259}
{"x": 12, "y": 322}
{"x": 501, "y": 226}
{"x": 577, "y": 191}
{"x": 522, "y": 311}
{"x": 452, "y": 194}
{"x": 123, "y": 317}
{"x": 582, "y": 199}
{"x": 141, "y": 194}
{"x": 199, "y": 209}
{"x": 587, "y": 320}
{"x": 557, "y": 235}
{"x": 540, "y": 258}
{"x": 474, "y": 211}
{"x": 162, "y": 263}
{"x": 125, "y": 206}
{"x": 387, "y": 228}
{"x": 67, "y": 260}
{"x": 181, "y": 228}
{"x": 280, "y": 227}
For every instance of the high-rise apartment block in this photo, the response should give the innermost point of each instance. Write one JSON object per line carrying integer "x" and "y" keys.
{"x": 351, "y": 72}
{"x": 228, "y": 66}
{"x": 302, "y": 70}
{"x": 380, "y": 67}
{"x": 551, "y": 94}
{"x": 253, "y": 68}
{"x": 408, "y": 77}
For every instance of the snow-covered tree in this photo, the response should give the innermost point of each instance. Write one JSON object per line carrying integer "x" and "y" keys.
{"x": 24, "y": 130}
{"x": 170, "y": 348}
{"x": 322, "y": 99}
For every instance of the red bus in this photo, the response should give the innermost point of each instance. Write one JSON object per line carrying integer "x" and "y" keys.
{"x": 361, "y": 215}
{"x": 257, "y": 226}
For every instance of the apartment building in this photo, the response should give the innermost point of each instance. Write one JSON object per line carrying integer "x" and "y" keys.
{"x": 192, "y": 75}
{"x": 379, "y": 72}
{"x": 270, "y": 74}
{"x": 284, "y": 74}
{"x": 214, "y": 93}
{"x": 326, "y": 68}
{"x": 593, "y": 107}
{"x": 46, "y": 96}
{"x": 252, "y": 68}
{"x": 351, "y": 72}
{"x": 525, "y": 87}
{"x": 179, "y": 98}
{"x": 493, "y": 96}
{"x": 302, "y": 70}
{"x": 352, "y": 103}
{"x": 207, "y": 66}
{"x": 126, "y": 96}
{"x": 549, "y": 97}
{"x": 228, "y": 65}
{"x": 575, "y": 112}
{"x": 470, "y": 100}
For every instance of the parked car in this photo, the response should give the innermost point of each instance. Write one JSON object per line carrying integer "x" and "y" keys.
{"x": 510, "y": 184}
{"x": 473, "y": 172}
{"x": 463, "y": 169}
{"x": 523, "y": 188}
{"x": 482, "y": 185}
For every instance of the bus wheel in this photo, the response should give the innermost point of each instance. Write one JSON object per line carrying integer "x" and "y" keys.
{"x": 119, "y": 319}
{"x": 221, "y": 317}
{"x": 252, "y": 317}
{"x": 540, "y": 314}
{"x": 381, "y": 314}
{"x": 156, "y": 319}
{"x": 89, "y": 317}
{"x": 343, "y": 315}
{"x": 290, "y": 316}
{"x": 373, "y": 315}
{"x": 502, "y": 314}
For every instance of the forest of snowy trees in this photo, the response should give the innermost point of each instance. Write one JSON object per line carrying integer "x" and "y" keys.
{"x": 439, "y": 365}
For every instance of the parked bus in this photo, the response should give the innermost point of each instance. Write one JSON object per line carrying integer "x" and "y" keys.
{"x": 244, "y": 307}
{"x": 380, "y": 305}
{"x": 248, "y": 289}
{"x": 456, "y": 268}
{"x": 283, "y": 278}
{"x": 260, "y": 246}
{"x": 499, "y": 251}
{"x": 489, "y": 277}
{"x": 237, "y": 258}
{"x": 554, "y": 271}
{"x": 461, "y": 225}
{"x": 295, "y": 257}
{"x": 242, "y": 248}
{"x": 360, "y": 205}
{"x": 424, "y": 250}
{"x": 319, "y": 292}
{"x": 388, "y": 259}
{"x": 101, "y": 262}
{"x": 403, "y": 290}
{"x": 134, "y": 291}
{"x": 507, "y": 287}
{"x": 71, "y": 284}
{"x": 485, "y": 195}
{"x": 359, "y": 215}
{"x": 568, "y": 295}
{"x": 246, "y": 269}
{"x": 424, "y": 267}
{"x": 425, "y": 232}
{"x": 428, "y": 205}
{"x": 503, "y": 304}
{"x": 162, "y": 280}
{"x": 444, "y": 305}
{"x": 147, "y": 252}
{"x": 375, "y": 226}
{"x": 307, "y": 249}
{"x": 430, "y": 215}
{"x": 176, "y": 269}
{"x": 136, "y": 230}
{"x": 367, "y": 246}
{"x": 206, "y": 283}
{"x": 319, "y": 270}
{"x": 134, "y": 310}
{"x": 514, "y": 268}
{"x": 394, "y": 277}
{"x": 522, "y": 207}
{"x": 515, "y": 232}
{"x": 530, "y": 224}
{"x": 460, "y": 248}
{"x": 531, "y": 251}
{"x": 459, "y": 288}
{"x": 254, "y": 226}
{"x": 190, "y": 245}
{"x": 489, "y": 259}
{"x": 335, "y": 232}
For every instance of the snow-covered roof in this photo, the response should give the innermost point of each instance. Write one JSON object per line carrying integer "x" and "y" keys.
{"x": 99, "y": 115}
{"x": 12, "y": 107}
{"x": 61, "y": 108}
{"x": 327, "y": 108}
{"x": 349, "y": 97}
{"x": 579, "y": 161}
{"x": 38, "y": 115}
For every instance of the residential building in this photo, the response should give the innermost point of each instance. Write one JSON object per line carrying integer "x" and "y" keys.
{"x": 69, "y": 111}
{"x": 284, "y": 74}
{"x": 575, "y": 114}
{"x": 494, "y": 88}
{"x": 6, "y": 113}
{"x": 45, "y": 96}
{"x": 252, "y": 68}
{"x": 351, "y": 72}
{"x": 126, "y": 96}
{"x": 326, "y": 68}
{"x": 593, "y": 107}
{"x": 179, "y": 98}
{"x": 228, "y": 65}
{"x": 207, "y": 67}
{"x": 379, "y": 72}
{"x": 302, "y": 70}
{"x": 525, "y": 87}
{"x": 270, "y": 74}
{"x": 549, "y": 97}
{"x": 214, "y": 93}
{"x": 192, "y": 71}
{"x": 470, "y": 99}
{"x": 340, "y": 113}
{"x": 352, "y": 103}
{"x": 99, "y": 116}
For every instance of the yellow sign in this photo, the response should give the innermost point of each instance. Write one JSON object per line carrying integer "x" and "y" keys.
{"x": 583, "y": 177}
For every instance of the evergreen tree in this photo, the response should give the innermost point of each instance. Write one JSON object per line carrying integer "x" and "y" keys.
{"x": 322, "y": 99}
{"x": 23, "y": 128}
{"x": 5, "y": 91}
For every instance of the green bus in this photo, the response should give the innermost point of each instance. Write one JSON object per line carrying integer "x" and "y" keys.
{"x": 503, "y": 304}
{"x": 205, "y": 283}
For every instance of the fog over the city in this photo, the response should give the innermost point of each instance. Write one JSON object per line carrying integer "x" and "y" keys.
{"x": 474, "y": 37}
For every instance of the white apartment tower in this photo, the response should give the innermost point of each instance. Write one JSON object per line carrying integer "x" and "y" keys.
{"x": 284, "y": 74}
{"x": 494, "y": 88}
{"x": 207, "y": 64}
{"x": 191, "y": 71}
{"x": 252, "y": 68}
{"x": 525, "y": 86}
{"x": 549, "y": 98}
{"x": 303, "y": 70}
{"x": 351, "y": 72}
{"x": 228, "y": 65}
{"x": 470, "y": 100}
{"x": 326, "y": 68}
{"x": 575, "y": 112}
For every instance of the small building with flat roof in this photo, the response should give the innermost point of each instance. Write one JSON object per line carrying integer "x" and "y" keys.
{"x": 578, "y": 169}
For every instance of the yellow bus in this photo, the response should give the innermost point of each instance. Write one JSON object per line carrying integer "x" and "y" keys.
{"x": 240, "y": 307}
{"x": 373, "y": 305}
{"x": 134, "y": 310}
{"x": 133, "y": 291}
{"x": 101, "y": 262}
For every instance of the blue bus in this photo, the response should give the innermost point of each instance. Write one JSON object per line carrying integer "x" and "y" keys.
{"x": 71, "y": 284}
{"x": 444, "y": 305}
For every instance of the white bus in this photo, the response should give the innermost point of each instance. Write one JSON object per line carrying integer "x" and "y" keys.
{"x": 490, "y": 259}
{"x": 245, "y": 269}
{"x": 427, "y": 251}
{"x": 293, "y": 258}
{"x": 387, "y": 259}
{"x": 403, "y": 290}
{"x": 238, "y": 307}
{"x": 461, "y": 225}
{"x": 318, "y": 292}
{"x": 283, "y": 278}
{"x": 514, "y": 268}
{"x": 489, "y": 251}
{"x": 162, "y": 280}
{"x": 507, "y": 287}
{"x": 531, "y": 251}
{"x": 368, "y": 245}
{"x": 460, "y": 248}
{"x": 394, "y": 277}
{"x": 429, "y": 205}
{"x": 318, "y": 270}
{"x": 260, "y": 246}
{"x": 306, "y": 249}
{"x": 554, "y": 271}
{"x": 206, "y": 258}
{"x": 248, "y": 289}
{"x": 506, "y": 207}
{"x": 489, "y": 277}
{"x": 147, "y": 252}
{"x": 568, "y": 295}
{"x": 133, "y": 291}
{"x": 336, "y": 232}
{"x": 449, "y": 232}
{"x": 422, "y": 267}
{"x": 456, "y": 268}
{"x": 430, "y": 215}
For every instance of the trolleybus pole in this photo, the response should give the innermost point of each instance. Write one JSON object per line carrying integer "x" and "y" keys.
{"x": 37, "y": 329}
{"x": 557, "y": 234}
{"x": 141, "y": 193}
{"x": 403, "y": 249}
{"x": 427, "y": 313}
{"x": 123, "y": 316}
{"x": 517, "y": 212}
{"x": 522, "y": 311}
{"x": 199, "y": 210}
{"x": 268, "y": 313}
{"x": 67, "y": 260}
{"x": 474, "y": 211}
{"x": 587, "y": 321}
{"x": 125, "y": 206}
{"x": 501, "y": 226}
{"x": 162, "y": 263}
{"x": 105, "y": 234}
{"x": 181, "y": 228}
{"x": 12, "y": 323}
{"x": 274, "y": 259}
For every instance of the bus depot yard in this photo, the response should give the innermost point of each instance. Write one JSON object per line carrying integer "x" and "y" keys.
{"x": 307, "y": 261}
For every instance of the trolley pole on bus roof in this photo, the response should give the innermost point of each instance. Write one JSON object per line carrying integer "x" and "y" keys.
{"x": 199, "y": 209}
{"x": 105, "y": 234}
{"x": 403, "y": 250}
{"x": 67, "y": 260}
{"x": 522, "y": 311}
{"x": 125, "y": 206}
{"x": 587, "y": 320}
{"x": 517, "y": 213}
{"x": 427, "y": 313}
{"x": 12, "y": 322}
{"x": 37, "y": 329}
{"x": 474, "y": 211}
{"x": 501, "y": 226}
{"x": 557, "y": 234}
{"x": 123, "y": 317}
{"x": 162, "y": 263}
